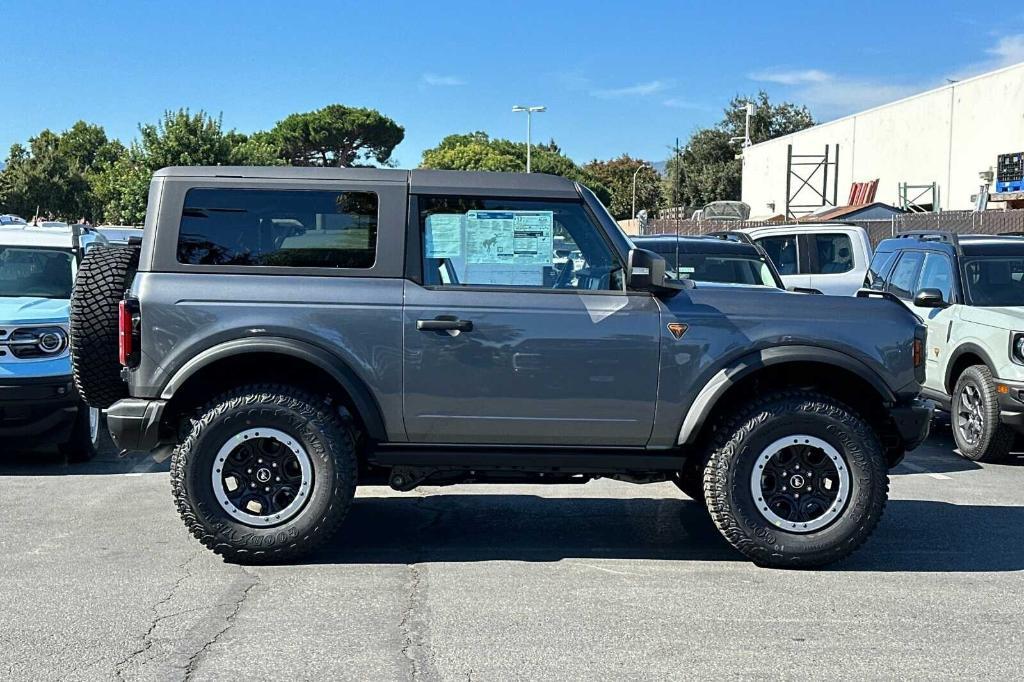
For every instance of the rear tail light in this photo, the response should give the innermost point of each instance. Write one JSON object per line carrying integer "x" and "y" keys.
{"x": 128, "y": 332}
{"x": 918, "y": 352}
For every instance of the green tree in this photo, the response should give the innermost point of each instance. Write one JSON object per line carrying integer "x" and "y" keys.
{"x": 477, "y": 151}
{"x": 180, "y": 138}
{"x": 707, "y": 169}
{"x": 617, "y": 176}
{"x": 337, "y": 135}
{"x": 52, "y": 175}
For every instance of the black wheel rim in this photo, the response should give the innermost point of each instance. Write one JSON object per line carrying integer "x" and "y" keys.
{"x": 262, "y": 477}
{"x": 800, "y": 483}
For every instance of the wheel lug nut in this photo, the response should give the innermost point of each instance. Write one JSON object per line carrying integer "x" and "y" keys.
{"x": 267, "y": 489}
{"x": 277, "y": 478}
{"x": 259, "y": 461}
{"x": 274, "y": 465}
{"x": 249, "y": 471}
{"x": 252, "y": 485}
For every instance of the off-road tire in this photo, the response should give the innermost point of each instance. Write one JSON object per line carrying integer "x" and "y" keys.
{"x": 997, "y": 439}
{"x": 103, "y": 277}
{"x": 81, "y": 446}
{"x": 739, "y": 440}
{"x": 329, "y": 442}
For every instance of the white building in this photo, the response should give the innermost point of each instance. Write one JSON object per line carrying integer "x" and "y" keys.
{"x": 948, "y": 136}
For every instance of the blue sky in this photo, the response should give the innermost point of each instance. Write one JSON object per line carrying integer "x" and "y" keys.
{"x": 616, "y": 77}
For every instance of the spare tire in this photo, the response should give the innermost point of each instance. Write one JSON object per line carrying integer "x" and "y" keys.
{"x": 103, "y": 277}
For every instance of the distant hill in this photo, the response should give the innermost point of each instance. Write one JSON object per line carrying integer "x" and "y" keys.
{"x": 660, "y": 166}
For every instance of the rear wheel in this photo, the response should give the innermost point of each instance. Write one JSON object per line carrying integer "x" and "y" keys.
{"x": 978, "y": 433}
{"x": 796, "y": 480}
{"x": 266, "y": 474}
{"x": 84, "y": 442}
{"x": 103, "y": 277}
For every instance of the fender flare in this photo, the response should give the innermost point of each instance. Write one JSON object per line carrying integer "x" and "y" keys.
{"x": 736, "y": 370}
{"x": 963, "y": 349}
{"x": 363, "y": 400}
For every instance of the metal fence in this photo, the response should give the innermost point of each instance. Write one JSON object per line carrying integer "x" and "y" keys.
{"x": 961, "y": 222}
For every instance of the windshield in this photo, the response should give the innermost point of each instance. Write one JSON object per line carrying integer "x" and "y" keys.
{"x": 719, "y": 268}
{"x": 995, "y": 280}
{"x": 35, "y": 272}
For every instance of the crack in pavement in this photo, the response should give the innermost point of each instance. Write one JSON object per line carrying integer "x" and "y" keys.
{"x": 229, "y": 620}
{"x": 415, "y": 626}
{"x": 147, "y": 637}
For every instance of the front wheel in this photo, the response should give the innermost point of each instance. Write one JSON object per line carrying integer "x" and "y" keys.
{"x": 978, "y": 433}
{"x": 266, "y": 474}
{"x": 796, "y": 480}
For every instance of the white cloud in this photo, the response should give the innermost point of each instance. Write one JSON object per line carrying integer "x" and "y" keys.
{"x": 435, "y": 80}
{"x": 680, "y": 103}
{"x": 791, "y": 77}
{"x": 1009, "y": 50}
{"x": 636, "y": 90}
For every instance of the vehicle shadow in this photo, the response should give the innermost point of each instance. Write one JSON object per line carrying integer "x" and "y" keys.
{"x": 48, "y": 462}
{"x": 914, "y": 536}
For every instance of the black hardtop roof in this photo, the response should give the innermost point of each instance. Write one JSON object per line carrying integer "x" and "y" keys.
{"x": 952, "y": 243}
{"x": 695, "y": 244}
{"x": 420, "y": 181}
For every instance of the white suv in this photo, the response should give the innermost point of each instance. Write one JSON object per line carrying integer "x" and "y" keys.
{"x": 970, "y": 292}
{"x": 828, "y": 257}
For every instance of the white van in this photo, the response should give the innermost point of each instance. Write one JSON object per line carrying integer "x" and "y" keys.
{"x": 829, "y": 257}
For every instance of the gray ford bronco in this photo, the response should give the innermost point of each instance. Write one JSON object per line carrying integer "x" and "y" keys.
{"x": 289, "y": 333}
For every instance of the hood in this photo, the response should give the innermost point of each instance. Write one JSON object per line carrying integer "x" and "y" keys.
{"x": 1000, "y": 317}
{"x": 32, "y": 310}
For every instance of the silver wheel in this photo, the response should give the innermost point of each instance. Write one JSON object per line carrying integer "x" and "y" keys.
{"x": 94, "y": 426}
{"x": 970, "y": 414}
{"x": 262, "y": 477}
{"x": 800, "y": 483}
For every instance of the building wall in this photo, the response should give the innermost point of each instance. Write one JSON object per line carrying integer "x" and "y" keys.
{"x": 948, "y": 135}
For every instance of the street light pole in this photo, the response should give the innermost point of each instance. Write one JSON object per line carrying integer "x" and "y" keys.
{"x": 530, "y": 111}
{"x": 638, "y": 168}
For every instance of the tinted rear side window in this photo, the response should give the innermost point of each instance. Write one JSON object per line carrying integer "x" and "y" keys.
{"x": 282, "y": 228}
{"x": 783, "y": 252}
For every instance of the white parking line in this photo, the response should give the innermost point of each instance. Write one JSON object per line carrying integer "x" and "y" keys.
{"x": 922, "y": 470}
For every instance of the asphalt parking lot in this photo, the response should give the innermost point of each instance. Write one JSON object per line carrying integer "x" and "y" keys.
{"x": 99, "y": 580}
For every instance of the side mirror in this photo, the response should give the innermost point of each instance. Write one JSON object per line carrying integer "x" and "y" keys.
{"x": 646, "y": 272}
{"x": 930, "y": 298}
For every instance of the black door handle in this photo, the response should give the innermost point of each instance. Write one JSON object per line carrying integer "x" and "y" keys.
{"x": 443, "y": 324}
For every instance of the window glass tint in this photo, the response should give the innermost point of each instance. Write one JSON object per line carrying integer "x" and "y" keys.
{"x": 509, "y": 242}
{"x": 782, "y": 250}
{"x": 35, "y": 273}
{"x": 718, "y": 268}
{"x": 936, "y": 273}
{"x": 831, "y": 254}
{"x": 291, "y": 228}
{"x": 880, "y": 263}
{"x": 905, "y": 274}
{"x": 995, "y": 280}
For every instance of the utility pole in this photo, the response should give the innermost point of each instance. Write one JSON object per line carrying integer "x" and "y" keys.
{"x": 530, "y": 111}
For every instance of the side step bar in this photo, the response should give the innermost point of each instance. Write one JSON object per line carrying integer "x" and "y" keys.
{"x": 565, "y": 459}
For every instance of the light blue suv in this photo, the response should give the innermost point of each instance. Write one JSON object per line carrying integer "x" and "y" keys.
{"x": 38, "y": 402}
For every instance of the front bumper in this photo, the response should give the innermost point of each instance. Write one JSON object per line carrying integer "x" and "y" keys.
{"x": 42, "y": 409}
{"x": 913, "y": 419}
{"x": 1011, "y": 403}
{"x": 134, "y": 423}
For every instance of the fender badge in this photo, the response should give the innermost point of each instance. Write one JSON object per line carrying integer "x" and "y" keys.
{"x": 677, "y": 329}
